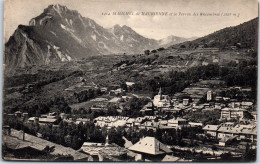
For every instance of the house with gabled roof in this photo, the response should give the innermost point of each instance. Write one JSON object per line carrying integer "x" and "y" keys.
{"x": 225, "y": 140}
{"x": 150, "y": 148}
{"x": 211, "y": 129}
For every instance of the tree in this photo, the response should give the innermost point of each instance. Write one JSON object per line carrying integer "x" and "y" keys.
{"x": 160, "y": 49}
{"x": 112, "y": 110}
{"x": 75, "y": 144}
{"x": 68, "y": 140}
{"x": 147, "y": 52}
{"x": 250, "y": 154}
{"x": 123, "y": 86}
{"x": 182, "y": 46}
{"x": 47, "y": 150}
{"x": 115, "y": 136}
{"x": 214, "y": 148}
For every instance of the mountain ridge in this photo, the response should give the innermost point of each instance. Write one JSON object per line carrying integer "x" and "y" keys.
{"x": 243, "y": 35}
{"x": 60, "y": 34}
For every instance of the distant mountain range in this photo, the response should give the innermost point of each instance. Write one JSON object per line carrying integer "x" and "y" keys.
{"x": 171, "y": 40}
{"x": 60, "y": 34}
{"x": 244, "y": 35}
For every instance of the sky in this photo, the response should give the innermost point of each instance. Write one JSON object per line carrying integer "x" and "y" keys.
{"x": 182, "y": 23}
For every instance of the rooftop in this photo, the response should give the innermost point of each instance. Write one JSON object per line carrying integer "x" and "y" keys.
{"x": 150, "y": 145}
{"x": 15, "y": 142}
{"x": 211, "y": 127}
{"x": 100, "y": 148}
{"x": 233, "y": 109}
{"x": 170, "y": 158}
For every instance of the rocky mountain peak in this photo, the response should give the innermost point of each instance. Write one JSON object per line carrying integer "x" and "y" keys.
{"x": 54, "y": 13}
{"x": 61, "y": 34}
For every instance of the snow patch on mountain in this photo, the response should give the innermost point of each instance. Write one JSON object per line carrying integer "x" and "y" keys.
{"x": 53, "y": 33}
{"x": 71, "y": 22}
{"x": 44, "y": 18}
{"x": 94, "y": 37}
{"x": 106, "y": 37}
{"x": 57, "y": 9}
{"x": 66, "y": 28}
{"x": 91, "y": 24}
{"x": 63, "y": 57}
{"x": 122, "y": 37}
{"x": 71, "y": 31}
{"x": 47, "y": 60}
{"x": 80, "y": 18}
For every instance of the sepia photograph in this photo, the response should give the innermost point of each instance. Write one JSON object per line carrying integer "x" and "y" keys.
{"x": 130, "y": 80}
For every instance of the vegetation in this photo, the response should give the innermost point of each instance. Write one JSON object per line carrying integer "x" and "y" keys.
{"x": 242, "y": 36}
{"x": 207, "y": 117}
{"x": 172, "y": 82}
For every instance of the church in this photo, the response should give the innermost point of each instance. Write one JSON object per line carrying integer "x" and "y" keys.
{"x": 161, "y": 100}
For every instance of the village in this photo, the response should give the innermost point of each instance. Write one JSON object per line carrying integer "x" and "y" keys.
{"x": 236, "y": 126}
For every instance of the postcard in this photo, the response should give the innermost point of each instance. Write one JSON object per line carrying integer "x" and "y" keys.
{"x": 130, "y": 80}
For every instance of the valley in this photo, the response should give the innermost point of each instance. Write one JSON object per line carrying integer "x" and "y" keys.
{"x": 111, "y": 94}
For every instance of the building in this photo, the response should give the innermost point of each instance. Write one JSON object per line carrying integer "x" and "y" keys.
{"x": 230, "y": 130}
{"x": 117, "y": 91}
{"x": 175, "y": 101}
{"x": 104, "y": 152}
{"x": 211, "y": 130}
{"x": 195, "y": 124}
{"x": 119, "y": 123}
{"x": 150, "y": 148}
{"x": 34, "y": 147}
{"x": 185, "y": 102}
{"x": 138, "y": 121}
{"x": 229, "y": 113}
{"x": 225, "y": 132}
{"x": 254, "y": 114}
{"x": 149, "y": 125}
{"x": 130, "y": 122}
{"x": 18, "y": 114}
{"x": 6, "y": 129}
{"x": 178, "y": 123}
{"x": 209, "y": 95}
{"x": 148, "y": 109}
{"x": 170, "y": 110}
{"x": 226, "y": 140}
{"x": 103, "y": 89}
{"x": 161, "y": 100}
{"x": 235, "y": 104}
{"x": 129, "y": 84}
{"x": 83, "y": 120}
{"x": 111, "y": 121}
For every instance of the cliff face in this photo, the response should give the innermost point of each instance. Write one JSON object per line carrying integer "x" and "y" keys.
{"x": 60, "y": 34}
{"x": 23, "y": 50}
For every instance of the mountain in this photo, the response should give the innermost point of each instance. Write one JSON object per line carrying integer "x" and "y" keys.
{"x": 243, "y": 36}
{"x": 171, "y": 40}
{"x": 133, "y": 39}
{"x": 60, "y": 34}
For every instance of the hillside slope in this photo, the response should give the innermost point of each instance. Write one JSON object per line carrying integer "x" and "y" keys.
{"x": 242, "y": 36}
